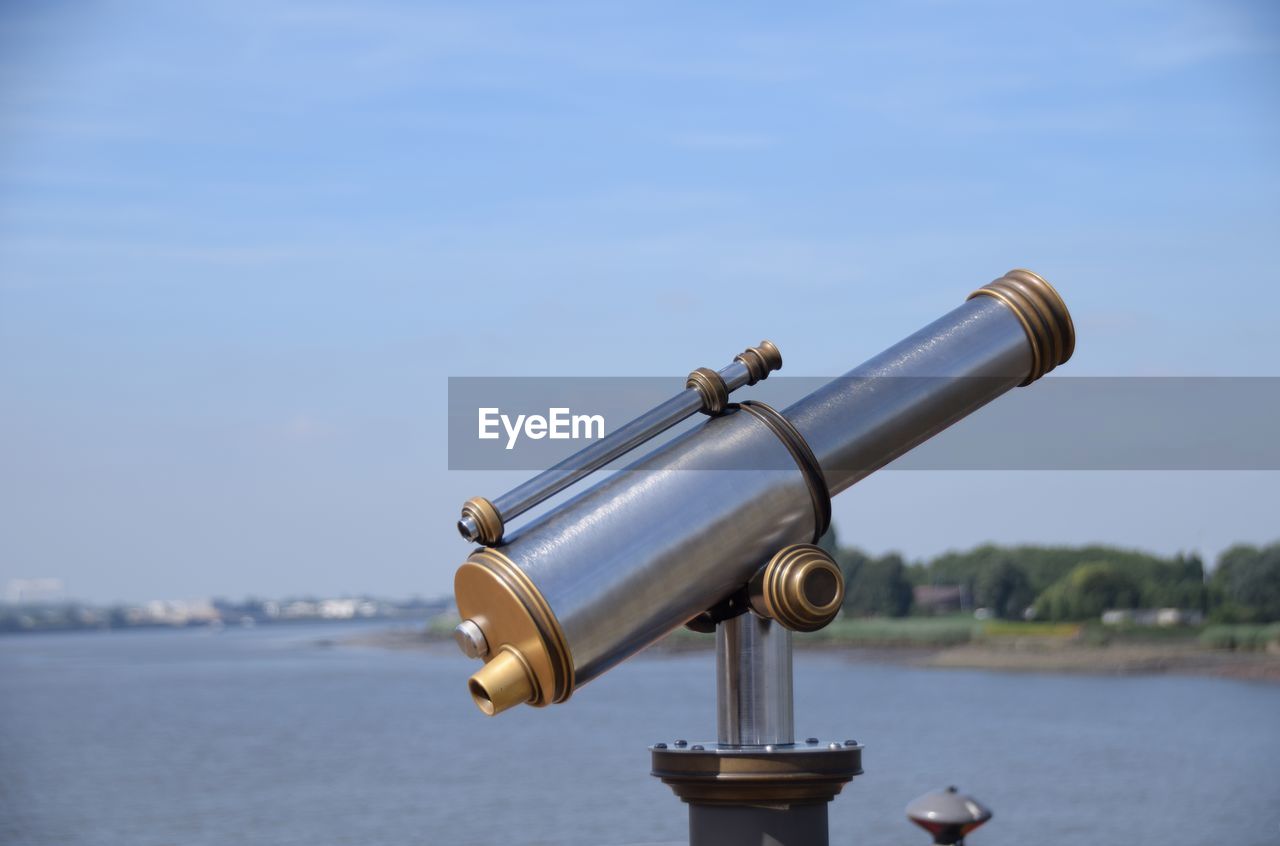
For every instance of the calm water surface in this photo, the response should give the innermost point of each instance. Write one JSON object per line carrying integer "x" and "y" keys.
{"x": 272, "y": 736}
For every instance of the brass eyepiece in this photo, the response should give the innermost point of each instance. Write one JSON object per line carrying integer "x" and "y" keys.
{"x": 801, "y": 588}
{"x": 1043, "y": 315}
{"x": 503, "y": 683}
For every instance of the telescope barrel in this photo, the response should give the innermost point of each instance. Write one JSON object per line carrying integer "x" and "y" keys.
{"x": 705, "y": 390}
{"x": 1006, "y": 334}
{"x": 600, "y": 577}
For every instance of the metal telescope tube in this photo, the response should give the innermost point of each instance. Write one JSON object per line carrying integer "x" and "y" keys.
{"x": 594, "y": 581}
{"x": 706, "y": 390}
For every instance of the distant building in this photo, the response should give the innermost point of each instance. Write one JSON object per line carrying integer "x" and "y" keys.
{"x": 939, "y": 599}
{"x": 179, "y": 612}
{"x": 338, "y": 609}
{"x": 1164, "y": 617}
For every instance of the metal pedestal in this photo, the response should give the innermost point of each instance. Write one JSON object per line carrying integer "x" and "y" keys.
{"x": 755, "y": 786}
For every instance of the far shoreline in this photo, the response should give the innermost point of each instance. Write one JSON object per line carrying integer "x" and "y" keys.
{"x": 1029, "y": 655}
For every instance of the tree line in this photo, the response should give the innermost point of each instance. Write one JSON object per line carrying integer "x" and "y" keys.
{"x": 1067, "y": 582}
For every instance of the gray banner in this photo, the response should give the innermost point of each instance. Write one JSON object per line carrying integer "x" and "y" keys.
{"x": 1061, "y": 423}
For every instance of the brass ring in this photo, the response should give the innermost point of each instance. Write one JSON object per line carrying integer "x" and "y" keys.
{"x": 709, "y": 383}
{"x": 782, "y": 588}
{"x": 487, "y": 519}
{"x": 1043, "y": 315}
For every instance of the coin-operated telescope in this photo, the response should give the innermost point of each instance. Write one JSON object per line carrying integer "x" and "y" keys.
{"x": 716, "y": 529}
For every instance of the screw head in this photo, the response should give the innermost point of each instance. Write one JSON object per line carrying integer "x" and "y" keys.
{"x": 468, "y": 528}
{"x": 659, "y": 746}
{"x": 697, "y": 747}
{"x": 811, "y": 740}
{"x": 851, "y": 743}
{"x": 470, "y": 639}
{"x": 680, "y": 744}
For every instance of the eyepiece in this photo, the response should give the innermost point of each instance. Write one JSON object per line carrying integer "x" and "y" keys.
{"x": 503, "y": 683}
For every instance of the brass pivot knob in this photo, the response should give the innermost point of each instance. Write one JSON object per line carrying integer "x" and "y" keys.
{"x": 801, "y": 588}
{"x": 760, "y": 361}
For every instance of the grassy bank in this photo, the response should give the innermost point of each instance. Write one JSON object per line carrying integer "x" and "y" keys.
{"x": 1246, "y": 652}
{"x": 962, "y": 629}
{"x": 1243, "y": 638}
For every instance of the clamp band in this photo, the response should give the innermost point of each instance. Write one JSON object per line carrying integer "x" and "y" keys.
{"x": 711, "y": 387}
{"x": 804, "y": 457}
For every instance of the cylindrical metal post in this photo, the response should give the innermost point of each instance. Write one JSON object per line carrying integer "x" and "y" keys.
{"x": 753, "y": 682}
{"x": 757, "y": 742}
{"x": 736, "y": 825}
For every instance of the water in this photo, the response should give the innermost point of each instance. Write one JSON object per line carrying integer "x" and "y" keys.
{"x": 269, "y": 736}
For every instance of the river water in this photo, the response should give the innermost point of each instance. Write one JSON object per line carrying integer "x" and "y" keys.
{"x": 279, "y": 735}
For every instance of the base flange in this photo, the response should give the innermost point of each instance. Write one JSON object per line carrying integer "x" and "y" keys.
{"x": 795, "y": 774}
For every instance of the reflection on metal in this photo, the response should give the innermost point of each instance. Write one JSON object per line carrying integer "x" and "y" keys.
{"x": 705, "y": 390}
{"x": 948, "y": 815}
{"x": 753, "y": 683}
{"x": 642, "y": 552}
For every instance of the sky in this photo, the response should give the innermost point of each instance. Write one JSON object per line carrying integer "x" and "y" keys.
{"x": 244, "y": 245}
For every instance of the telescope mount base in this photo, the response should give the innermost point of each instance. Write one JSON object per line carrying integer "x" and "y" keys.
{"x": 743, "y": 794}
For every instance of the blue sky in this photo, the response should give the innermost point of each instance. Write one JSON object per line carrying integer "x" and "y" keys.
{"x": 243, "y": 245}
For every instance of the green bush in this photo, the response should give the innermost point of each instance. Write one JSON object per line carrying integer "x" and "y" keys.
{"x": 1242, "y": 638}
{"x": 901, "y": 631}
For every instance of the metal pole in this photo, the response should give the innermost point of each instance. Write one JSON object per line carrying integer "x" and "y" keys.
{"x": 754, "y": 704}
{"x": 755, "y": 786}
{"x": 754, "y": 709}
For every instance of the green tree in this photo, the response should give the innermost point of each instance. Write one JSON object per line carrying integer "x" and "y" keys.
{"x": 1087, "y": 591}
{"x": 851, "y": 561}
{"x": 876, "y": 586}
{"x": 1004, "y": 589}
{"x": 1246, "y": 584}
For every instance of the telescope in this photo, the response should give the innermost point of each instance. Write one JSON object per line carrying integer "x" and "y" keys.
{"x": 717, "y": 529}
